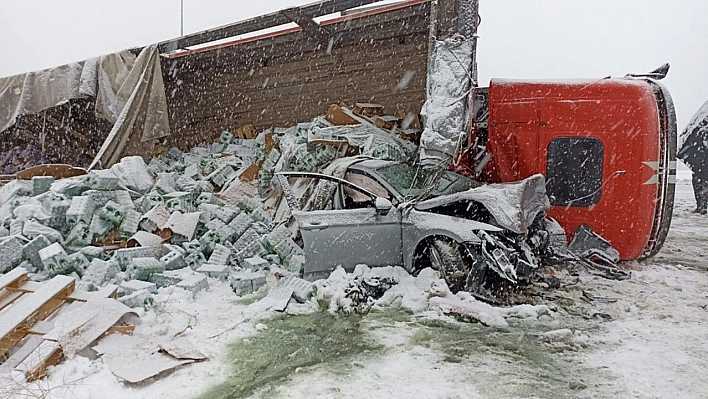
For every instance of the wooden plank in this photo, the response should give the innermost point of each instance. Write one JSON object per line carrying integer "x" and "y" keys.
{"x": 8, "y": 297}
{"x": 14, "y": 278}
{"x": 336, "y": 116}
{"x": 9, "y": 281}
{"x": 77, "y": 329}
{"x": 35, "y": 365}
{"x": 24, "y": 313}
{"x": 368, "y": 109}
{"x": 250, "y": 173}
{"x": 309, "y": 26}
{"x": 28, "y": 346}
{"x": 58, "y": 171}
{"x": 125, "y": 330}
{"x": 109, "y": 291}
{"x": 41, "y": 327}
{"x": 386, "y": 122}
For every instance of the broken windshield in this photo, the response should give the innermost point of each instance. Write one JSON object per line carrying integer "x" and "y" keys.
{"x": 411, "y": 181}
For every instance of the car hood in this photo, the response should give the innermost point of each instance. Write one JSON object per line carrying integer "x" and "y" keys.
{"x": 514, "y": 206}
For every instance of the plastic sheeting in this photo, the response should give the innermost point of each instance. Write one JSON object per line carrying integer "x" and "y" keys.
{"x": 33, "y": 92}
{"x": 369, "y": 139}
{"x": 140, "y": 108}
{"x": 514, "y": 206}
{"x": 129, "y": 93}
{"x": 445, "y": 111}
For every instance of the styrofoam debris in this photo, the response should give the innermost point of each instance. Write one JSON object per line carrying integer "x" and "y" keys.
{"x": 144, "y": 268}
{"x": 255, "y": 263}
{"x": 302, "y": 289}
{"x": 136, "y": 299}
{"x": 11, "y": 252}
{"x": 220, "y": 272}
{"x": 173, "y": 260}
{"x": 99, "y": 273}
{"x": 246, "y": 282}
{"x": 31, "y": 250}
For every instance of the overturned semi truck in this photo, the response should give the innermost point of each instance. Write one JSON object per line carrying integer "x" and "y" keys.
{"x": 605, "y": 146}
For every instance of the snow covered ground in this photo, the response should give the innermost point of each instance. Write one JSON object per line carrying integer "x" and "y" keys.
{"x": 652, "y": 342}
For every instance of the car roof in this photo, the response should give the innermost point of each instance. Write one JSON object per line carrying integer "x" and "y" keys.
{"x": 373, "y": 164}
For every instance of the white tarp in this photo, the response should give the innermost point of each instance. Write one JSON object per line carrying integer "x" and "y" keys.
{"x": 445, "y": 112}
{"x": 33, "y": 92}
{"x": 139, "y": 106}
{"x": 129, "y": 93}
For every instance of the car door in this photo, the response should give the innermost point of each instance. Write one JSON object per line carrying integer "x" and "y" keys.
{"x": 352, "y": 232}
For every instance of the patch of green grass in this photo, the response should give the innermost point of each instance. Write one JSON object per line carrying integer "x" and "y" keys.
{"x": 252, "y": 298}
{"x": 290, "y": 343}
{"x": 390, "y": 315}
{"x": 526, "y": 367}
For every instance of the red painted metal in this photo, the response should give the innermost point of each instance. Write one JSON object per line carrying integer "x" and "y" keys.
{"x": 525, "y": 116}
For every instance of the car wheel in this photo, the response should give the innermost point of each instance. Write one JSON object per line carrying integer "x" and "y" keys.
{"x": 448, "y": 258}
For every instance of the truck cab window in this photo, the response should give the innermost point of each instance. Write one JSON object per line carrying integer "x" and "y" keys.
{"x": 574, "y": 171}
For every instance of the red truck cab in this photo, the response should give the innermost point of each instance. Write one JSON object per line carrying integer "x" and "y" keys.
{"x": 606, "y": 147}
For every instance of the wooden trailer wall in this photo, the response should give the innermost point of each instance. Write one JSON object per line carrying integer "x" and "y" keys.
{"x": 281, "y": 80}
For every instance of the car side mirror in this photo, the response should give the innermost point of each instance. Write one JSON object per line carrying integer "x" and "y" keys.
{"x": 383, "y": 206}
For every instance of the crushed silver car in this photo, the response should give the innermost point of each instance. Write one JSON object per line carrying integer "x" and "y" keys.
{"x": 380, "y": 213}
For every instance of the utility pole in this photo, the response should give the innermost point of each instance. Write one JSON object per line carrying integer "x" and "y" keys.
{"x": 181, "y": 18}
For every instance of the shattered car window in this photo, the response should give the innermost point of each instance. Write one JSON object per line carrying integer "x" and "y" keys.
{"x": 311, "y": 193}
{"x": 410, "y": 181}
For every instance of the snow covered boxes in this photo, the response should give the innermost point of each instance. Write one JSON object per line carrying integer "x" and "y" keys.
{"x": 31, "y": 250}
{"x": 81, "y": 209}
{"x": 54, "y": 259}
{"x": 144, "y": 268}
{"x": 173, "y": 260}
{"x": 194, "y": 283}
{"x": 247, "y": 282}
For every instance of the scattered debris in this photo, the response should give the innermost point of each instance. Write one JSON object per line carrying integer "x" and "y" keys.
{"x": 190, "y": 220}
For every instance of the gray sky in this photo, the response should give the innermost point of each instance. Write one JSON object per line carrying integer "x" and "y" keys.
{"x": 518, "y": 38}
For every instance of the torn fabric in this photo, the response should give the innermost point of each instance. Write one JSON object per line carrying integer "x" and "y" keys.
{"x": 129, "y": 93}
{"x": 33, "y": 92}
{"x": 140, "y": 108}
